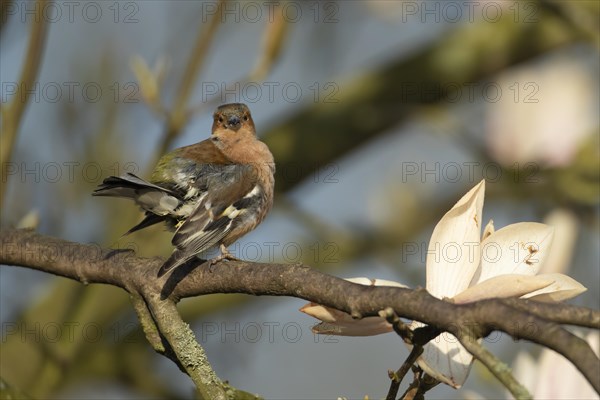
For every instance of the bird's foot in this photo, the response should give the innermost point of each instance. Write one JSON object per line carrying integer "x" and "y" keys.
{"x": 225, "y": 255}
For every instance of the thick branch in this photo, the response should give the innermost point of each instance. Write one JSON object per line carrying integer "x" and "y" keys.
{"x": 147, "y": 322}
{"x": 191, "y": 356}
{"x": 90, "y": 264}
{"x": 561, "y": 313}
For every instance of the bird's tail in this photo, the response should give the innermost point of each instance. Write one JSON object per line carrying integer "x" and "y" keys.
{"x": 127, "y": 186}
{"x": 130, "y": 186}
{"x": 177, "y": 258}
{"x": 149, "y": 220}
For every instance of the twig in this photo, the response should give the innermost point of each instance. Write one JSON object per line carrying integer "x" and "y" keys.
{"x": 421, "y": 384}
{"x": 273, "y": 40}
{"x": 399, "y": 326}
{"x": 399, "y": 375}
{"x": 179, "y": 113}
{"x": 500, "y": 370}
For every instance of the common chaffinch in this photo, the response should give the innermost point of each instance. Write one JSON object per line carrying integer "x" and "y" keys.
{"x": 210, "y": 193}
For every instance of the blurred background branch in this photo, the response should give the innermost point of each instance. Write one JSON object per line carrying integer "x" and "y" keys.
{"x": 178, "y": 116}
{"x": 12, "y": 112}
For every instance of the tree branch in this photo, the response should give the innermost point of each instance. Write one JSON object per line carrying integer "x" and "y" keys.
{"x": 500, "y": 370}
{"x": 91, "y": 264}
{"x": 190, "y": 355}
{"x": 560, "y": 313}
{"x": 147, "y": 322}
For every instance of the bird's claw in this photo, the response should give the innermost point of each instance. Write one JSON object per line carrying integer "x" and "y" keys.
{"x": 225, "y": 255}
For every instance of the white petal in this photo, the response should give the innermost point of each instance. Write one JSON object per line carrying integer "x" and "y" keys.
{"x": 563, "y": 288}
{"x": 502, "y": 286}
{"x": 375, "y": 282}
{"x": 445, "y": 359}
{"x": 515, "y": 249}
{"x": 337, "y": 322}
{"x": 453, "y": 253}
{"x": 322, "y": 313}
{"x": 593, "y": 338}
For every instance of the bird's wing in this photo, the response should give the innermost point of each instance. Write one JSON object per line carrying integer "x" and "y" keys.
{"x": 226, "y": 195}
{"x": 174, "y": 168}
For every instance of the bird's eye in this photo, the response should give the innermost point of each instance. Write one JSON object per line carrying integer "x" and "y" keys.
{"x": 220, "y": 119}
{"x": 245, "y": 118}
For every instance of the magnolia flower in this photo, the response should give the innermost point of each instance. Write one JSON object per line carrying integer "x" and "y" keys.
{"x": 551, "y": 376}
{"x": 546, "y": 129}
{"x": 465, "y": 266}
{"x": 337, "y": 322}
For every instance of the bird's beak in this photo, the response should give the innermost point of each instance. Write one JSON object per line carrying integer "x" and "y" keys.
{"x": 233, "y": 123}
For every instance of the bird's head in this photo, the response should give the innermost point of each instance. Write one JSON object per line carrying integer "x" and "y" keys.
{"x": 232, "y": 117}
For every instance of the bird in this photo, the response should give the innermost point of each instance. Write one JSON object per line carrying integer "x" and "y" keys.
{"x": 209, "y": 193}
